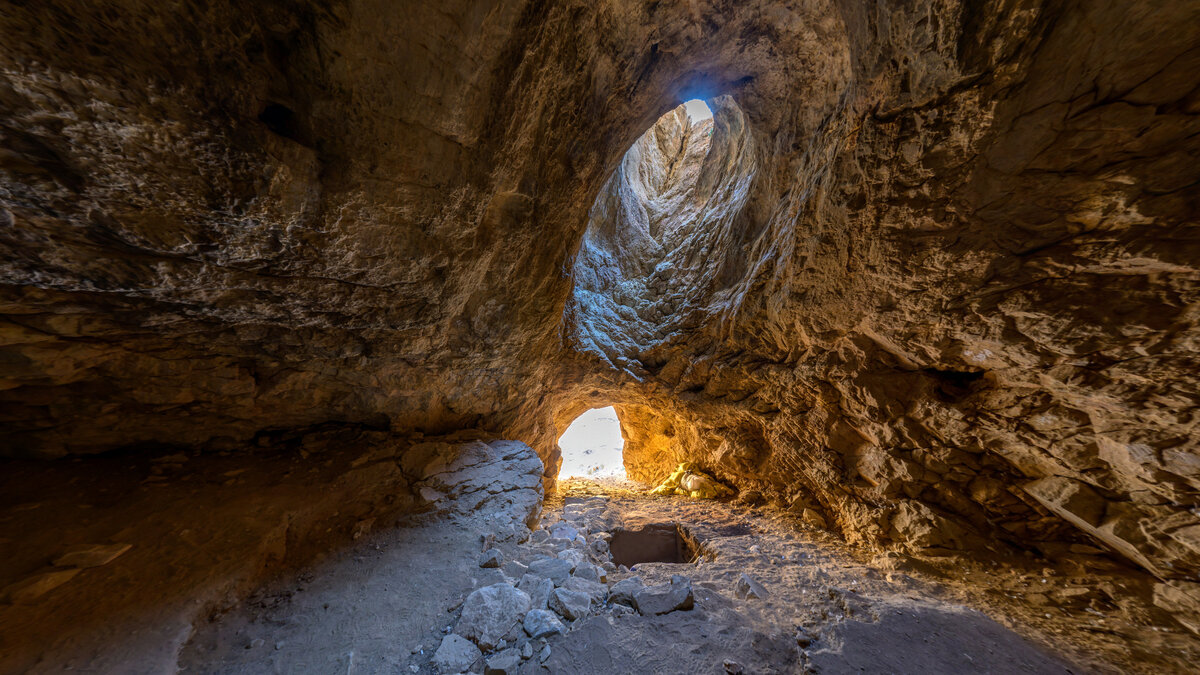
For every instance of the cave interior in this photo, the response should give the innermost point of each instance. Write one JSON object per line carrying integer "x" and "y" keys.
{"x": 915, "y": 281}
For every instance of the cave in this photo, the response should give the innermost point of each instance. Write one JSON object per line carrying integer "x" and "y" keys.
{"x": 300, "y": 297}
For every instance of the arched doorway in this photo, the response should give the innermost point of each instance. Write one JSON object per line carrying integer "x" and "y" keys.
{"x": 591, "y": 446}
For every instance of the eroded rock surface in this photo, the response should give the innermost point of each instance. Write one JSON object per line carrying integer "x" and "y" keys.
{"x": 931, "y": 281}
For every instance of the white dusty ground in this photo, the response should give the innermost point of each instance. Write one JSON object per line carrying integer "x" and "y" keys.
{"x": 387, "y": 604}
{"x": 186, "y": 594}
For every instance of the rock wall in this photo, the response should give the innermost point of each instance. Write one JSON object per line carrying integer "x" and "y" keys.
{"x": 951, "y": 302}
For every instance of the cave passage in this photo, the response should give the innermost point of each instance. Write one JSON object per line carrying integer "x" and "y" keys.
{"x": 591, "y": 446}
{"x": 300, "y": 302}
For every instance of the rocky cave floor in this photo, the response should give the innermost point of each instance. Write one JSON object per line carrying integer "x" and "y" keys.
{"x": 814, "y": 604}
{"x": 364, "y": 554}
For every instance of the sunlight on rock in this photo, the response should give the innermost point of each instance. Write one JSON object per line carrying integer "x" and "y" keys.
{"x": 591, "y": 446}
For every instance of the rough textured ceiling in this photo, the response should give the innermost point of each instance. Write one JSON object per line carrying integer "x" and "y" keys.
{"x": 957, "y": 307}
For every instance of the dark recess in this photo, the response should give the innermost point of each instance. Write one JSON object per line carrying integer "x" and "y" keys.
{"x": 282, "y": 121}
{"x": 658, "y": 542}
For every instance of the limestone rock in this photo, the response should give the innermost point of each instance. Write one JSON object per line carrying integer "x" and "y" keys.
{"x": 594, "y": 590}
{"x": 572, "y": 556}
{"x": 588, "y": 572}
{"x": 563, "y": 530}
{"x": 540, "y": 623}
{"x": 569, "y": 604}
{"x": 506, "y": 662}
{"x": 491, "y": 558}
{"x": 538, "y": 588}
{"x": 747, "y": 588}
{"x": 489, "y": 613}
{"x": 456, "y": 655}
{"x": 871, "y": 277}
{"x": 555, "y": 569}
{"x": 623, "y": 591}
{"x": 664, "y": 598}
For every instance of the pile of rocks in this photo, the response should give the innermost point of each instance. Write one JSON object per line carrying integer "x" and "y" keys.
{"x": 569, "y": 575}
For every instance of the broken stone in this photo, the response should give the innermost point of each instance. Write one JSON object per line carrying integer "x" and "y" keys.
{"x": 572, "y": 556}
{"x": 747, "y": 588}
{"x": 491, "y": 558}
{"x": 554, "y": 569}
{"x": 664, "y": 598}
{"x": 540, "y": 623}
{"x": 91, "y": 556}
{"x": 563, "y": 531}
{"x": 506, "y": 662}
{"x": 538, "y": 588}
{"x": 539, "y": 536}
{"x": 622, "y": 592}
{"x": 596, "y": 591}
{"x": 490, "y": 612}
{"x": 527, "y": 648}
{"x": 455, "y": 655}
{"x": 514, "y": 569}
{"x": 570, "y": 604}
{"x": 587, "y": 571}
{"x": 599, "y": 547}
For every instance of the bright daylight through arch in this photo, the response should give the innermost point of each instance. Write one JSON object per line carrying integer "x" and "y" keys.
{"x": 697, "y": 110}
{"x": 591, "y": 446}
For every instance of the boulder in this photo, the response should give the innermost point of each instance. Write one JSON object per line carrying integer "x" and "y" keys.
{"x": 489, "y": 613}
{"x": 506, "y": 662}
{"x": 663, "y": 598}
{"x": 573, "y": 556}
{"x": 622, "y": 592}
{"x": 456, "y": 654}
{"x": 570, "y": 604}
{"x": 540, "y": 623}
{"x": 563, "y": 531}
{"x": 538, "y": 588}
{"x": 554, "y": 569}
{"x": 588, "y": 571}
{"x": 491, "y": 558}
{"x": 596, "y": 591}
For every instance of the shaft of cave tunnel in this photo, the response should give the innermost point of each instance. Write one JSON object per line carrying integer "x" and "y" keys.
{"x": 591, "y": 446}
{"x": 663, "y": 233}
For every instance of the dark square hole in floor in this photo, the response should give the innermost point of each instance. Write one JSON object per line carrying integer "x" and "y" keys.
{"x": 657, "y": 542}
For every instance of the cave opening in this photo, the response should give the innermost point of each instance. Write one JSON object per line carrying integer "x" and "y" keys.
{"x": 659, "y": 232}
{"x": 697, "y": 110}
{"x": 592, "y": 446}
